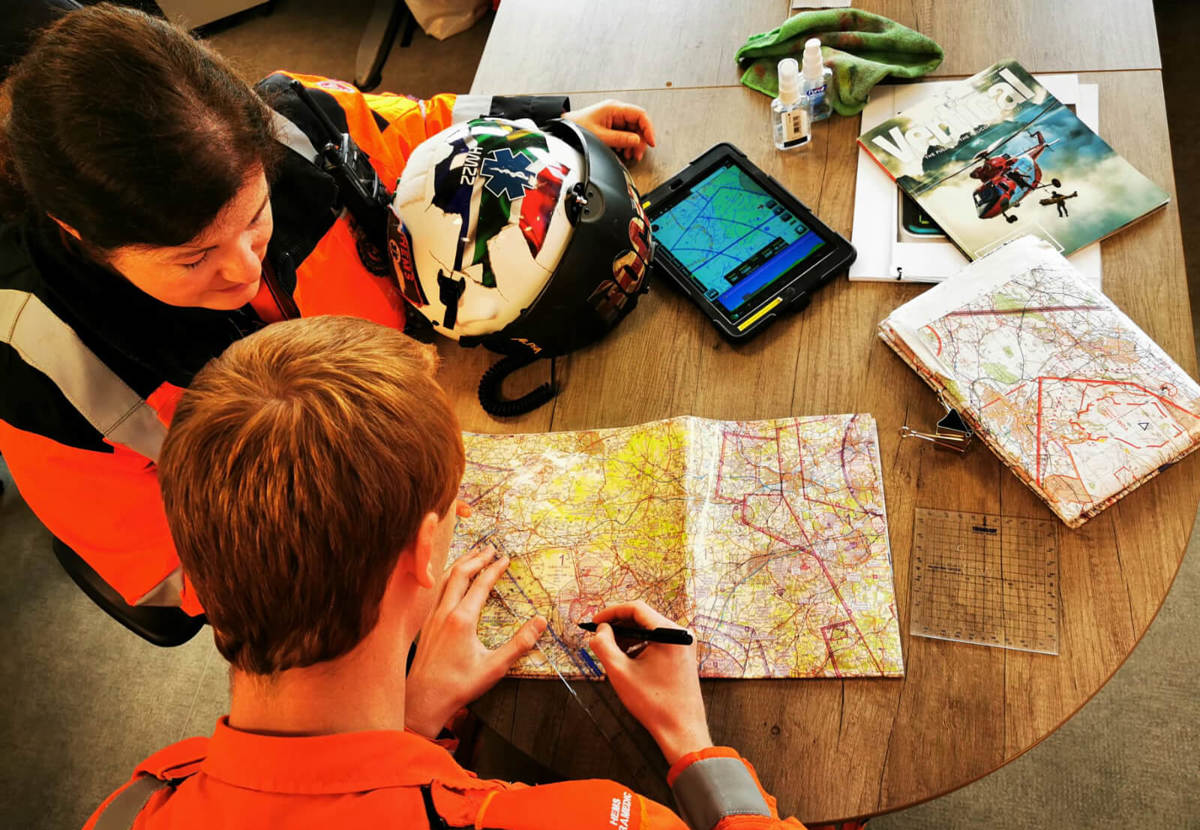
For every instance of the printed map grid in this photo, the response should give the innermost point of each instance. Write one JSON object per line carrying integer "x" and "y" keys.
{"x": 768, "y": 539}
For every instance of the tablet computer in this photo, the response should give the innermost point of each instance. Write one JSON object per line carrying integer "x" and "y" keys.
{"x": 742, "y": 247}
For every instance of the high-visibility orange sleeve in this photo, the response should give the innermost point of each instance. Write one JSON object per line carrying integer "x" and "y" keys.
{"x": 331, "y": 280}
{"x": 409, "y": 121}
{"x": 736, "y": 822}
{"x": 104, "y": 506}
{"x": 581, "y": 804}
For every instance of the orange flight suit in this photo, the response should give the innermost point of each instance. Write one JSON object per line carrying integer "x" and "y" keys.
{"x": 380, "y": 779}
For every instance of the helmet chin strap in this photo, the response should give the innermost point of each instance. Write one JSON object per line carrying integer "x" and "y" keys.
{"x": 491, "y": 395}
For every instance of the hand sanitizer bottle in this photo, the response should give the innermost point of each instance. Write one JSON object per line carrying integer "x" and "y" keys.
{"x": 790, "y": 117}
{"x": 817, "y": 78}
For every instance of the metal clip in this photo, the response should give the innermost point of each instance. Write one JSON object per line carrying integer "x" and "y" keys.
{"x": 951, "y": 433}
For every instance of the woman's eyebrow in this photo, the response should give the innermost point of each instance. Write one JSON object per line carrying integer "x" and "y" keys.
{"x": 266, "y": 201}
{"x": 186, "y": 250}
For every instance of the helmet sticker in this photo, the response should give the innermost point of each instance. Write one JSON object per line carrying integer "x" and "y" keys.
{"x": 633, "y": 194}
{"x": 537, "y": 209}
{"x": 471, "y": 163}
{"x": 505, "y": 175}
{"x": 400, "y": 252}
{"x": 628, "y": 270}
{"x": 628, "y": 267}
{"x": 450, "y": 194}
{"x": 501, "y": 157}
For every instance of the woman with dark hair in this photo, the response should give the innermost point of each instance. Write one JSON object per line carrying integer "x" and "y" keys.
{"x": 156, "y": 209}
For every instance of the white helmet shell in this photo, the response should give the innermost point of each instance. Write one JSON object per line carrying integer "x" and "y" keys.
{"x": 483, "y": 206}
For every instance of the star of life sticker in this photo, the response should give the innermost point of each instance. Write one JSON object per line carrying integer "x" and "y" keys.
{"x": 506, "y": 174}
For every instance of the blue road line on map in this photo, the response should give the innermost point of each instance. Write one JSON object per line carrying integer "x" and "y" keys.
{"x": 709, "y": 219}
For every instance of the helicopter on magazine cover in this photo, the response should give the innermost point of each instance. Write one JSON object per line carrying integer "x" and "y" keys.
{"x": 1007, "y": 179}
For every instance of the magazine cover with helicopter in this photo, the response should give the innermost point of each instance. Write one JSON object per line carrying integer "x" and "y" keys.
{"x": 997, "y": 156}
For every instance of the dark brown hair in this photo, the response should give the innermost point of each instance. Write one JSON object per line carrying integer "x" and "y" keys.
{"x": 129, "y": 130}
{"x": 298, "y": 466}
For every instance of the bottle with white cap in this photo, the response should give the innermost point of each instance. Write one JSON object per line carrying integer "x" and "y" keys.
{"x": 790, "y": 117}
{"x": 817, "y": 78}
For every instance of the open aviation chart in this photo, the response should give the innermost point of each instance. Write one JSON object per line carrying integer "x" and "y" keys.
{"x": 739, "y": 244}
{"x": 767, "y": 539}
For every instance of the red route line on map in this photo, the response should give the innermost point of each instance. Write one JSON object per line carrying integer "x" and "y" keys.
{"x": 1157, "y": 446}
{"x": 837, "y": 671}
{"x": 1090, "y": 382}
{"x": 799, "y": 525}
{"x": 1004, "y": 396}
{"x": 933, "y": 331}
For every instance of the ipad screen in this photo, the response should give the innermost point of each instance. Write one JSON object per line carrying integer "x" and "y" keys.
{"x": 735, "y": 240}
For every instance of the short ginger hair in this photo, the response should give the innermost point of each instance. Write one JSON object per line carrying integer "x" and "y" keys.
{"x": 298, "y": 466}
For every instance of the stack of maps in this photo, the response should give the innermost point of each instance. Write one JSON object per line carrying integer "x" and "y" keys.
{"x": 767, "y": 539}
{"x": 1060, "y": 384}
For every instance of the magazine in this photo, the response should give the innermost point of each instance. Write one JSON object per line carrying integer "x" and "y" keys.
{"x": 890, "y": 245}
{"x": 997, "y": 156}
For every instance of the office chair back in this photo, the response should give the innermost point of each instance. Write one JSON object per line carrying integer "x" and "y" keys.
{"x": 160, "y": 625}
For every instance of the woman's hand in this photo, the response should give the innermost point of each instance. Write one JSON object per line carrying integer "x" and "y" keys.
{"x": 624, "y": 127}
{"x": 452, "y": 667}
{"x": 660, "y": 686}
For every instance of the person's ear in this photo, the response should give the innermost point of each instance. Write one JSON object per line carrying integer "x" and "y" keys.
{"x": 66, "y": 227}
{"x": 424, "y": 549}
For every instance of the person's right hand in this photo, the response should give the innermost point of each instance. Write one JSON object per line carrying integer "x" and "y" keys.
{"x": 660, "y": 686}
{"x": 626, "y": 128}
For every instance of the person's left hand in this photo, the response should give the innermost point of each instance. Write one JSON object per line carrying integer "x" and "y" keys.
{"x": 452, "y": 667}
{"x": 624, "y": 127}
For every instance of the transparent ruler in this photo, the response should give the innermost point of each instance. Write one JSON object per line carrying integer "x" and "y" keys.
{"x": 984, "y": 579}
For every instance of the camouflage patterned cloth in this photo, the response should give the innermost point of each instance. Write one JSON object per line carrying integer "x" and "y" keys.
{"x": 861, "y": 47}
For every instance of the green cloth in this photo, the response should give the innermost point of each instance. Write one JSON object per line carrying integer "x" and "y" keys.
{"x": 861, "y": 47}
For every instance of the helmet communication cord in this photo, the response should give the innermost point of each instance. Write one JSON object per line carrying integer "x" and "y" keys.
{"x": 491, "y": 396}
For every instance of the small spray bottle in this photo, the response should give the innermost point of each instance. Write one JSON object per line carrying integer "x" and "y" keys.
{"x": 817, "y": 78}
{"x": 790, "y": 117}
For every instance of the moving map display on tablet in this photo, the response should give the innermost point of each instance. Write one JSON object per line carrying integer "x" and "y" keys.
{"x": 739, "y": 243}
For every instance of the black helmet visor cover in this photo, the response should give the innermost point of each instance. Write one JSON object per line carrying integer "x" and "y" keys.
{"x": 602, "y": 271}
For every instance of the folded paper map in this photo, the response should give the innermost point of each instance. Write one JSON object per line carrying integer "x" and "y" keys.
{"x": 1077, "y": 400}
{"x": 768, "y": 539}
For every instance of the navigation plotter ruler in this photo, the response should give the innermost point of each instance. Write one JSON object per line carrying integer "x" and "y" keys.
{"x": 990, "y": 580}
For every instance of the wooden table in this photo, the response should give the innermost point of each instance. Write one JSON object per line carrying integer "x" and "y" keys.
{"x": 584, "y": 46}
{"x": 834, "y": 749}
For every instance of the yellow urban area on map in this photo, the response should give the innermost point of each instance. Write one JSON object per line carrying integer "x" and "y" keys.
{"x": 767, "y": 539}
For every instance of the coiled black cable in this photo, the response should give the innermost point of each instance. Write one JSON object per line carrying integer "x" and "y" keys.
{"x": 491, "y": 395}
